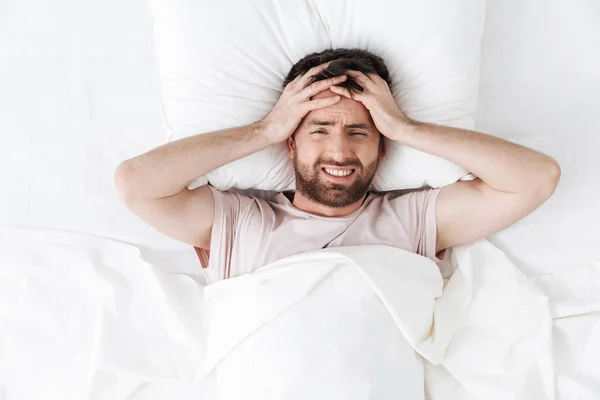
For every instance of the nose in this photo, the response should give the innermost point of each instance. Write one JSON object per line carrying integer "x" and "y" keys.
{"x": 339, "y": 148}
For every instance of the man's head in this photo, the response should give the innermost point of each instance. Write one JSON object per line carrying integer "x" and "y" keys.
{"x": 338, "y": 139}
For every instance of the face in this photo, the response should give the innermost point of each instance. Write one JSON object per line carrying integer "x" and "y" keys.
{"x": 336, "y": 153}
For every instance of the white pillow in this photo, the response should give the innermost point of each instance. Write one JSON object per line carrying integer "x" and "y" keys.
{"x": 222, "y": 65}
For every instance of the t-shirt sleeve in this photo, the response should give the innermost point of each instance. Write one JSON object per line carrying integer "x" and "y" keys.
{"x": 229, "y": 208}
{"x": 416, "y": 211}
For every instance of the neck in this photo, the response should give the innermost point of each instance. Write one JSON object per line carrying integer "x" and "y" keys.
{"x": 303, "y": 203}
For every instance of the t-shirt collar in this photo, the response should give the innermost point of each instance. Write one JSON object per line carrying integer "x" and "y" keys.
{"x": 281, "y": 198}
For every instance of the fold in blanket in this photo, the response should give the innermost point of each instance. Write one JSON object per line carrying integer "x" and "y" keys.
{"x": 354, "y": 322}
{"x": 488, "y": 335}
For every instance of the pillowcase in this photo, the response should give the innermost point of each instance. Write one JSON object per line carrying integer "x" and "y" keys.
{"x": 222, "y": 65}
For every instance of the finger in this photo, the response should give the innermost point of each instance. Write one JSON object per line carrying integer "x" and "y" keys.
{"x": 343, "y": 92}
{"x": 293, "y": 85}
{"x": 321, "y": 103}
{"x": 361, "y": 78}
{"x": 313, "y": 71}
{"x": 373, "y": 76}
{"x": 320, "y": 86}
{"x": 379, "y": 81}
{"x": 296, "y": 79}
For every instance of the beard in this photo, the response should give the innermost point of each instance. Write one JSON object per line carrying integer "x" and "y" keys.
{"x": 311, "y": 183}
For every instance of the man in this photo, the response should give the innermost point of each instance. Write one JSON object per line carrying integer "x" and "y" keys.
{"x": 333, "y": 116}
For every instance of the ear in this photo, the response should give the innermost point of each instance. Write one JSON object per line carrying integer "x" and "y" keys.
{"x": 382, "y": 147}
{"x": 291, "y": 145}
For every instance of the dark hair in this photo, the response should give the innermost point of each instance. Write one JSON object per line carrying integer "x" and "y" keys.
{"x": 343, "y": 59}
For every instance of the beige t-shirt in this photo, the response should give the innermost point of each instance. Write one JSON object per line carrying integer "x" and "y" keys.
{"x": 249, "y": 232}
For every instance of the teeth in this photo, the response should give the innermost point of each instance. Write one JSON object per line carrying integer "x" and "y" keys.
{"x": 335, "y": 172}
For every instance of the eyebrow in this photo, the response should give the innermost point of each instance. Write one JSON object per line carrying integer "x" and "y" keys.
{"x": 329, "y": 123}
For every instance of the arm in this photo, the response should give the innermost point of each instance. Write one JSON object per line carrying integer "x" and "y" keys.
{"x": 513, "y": 180}
{"x": 168, "y": 169}
{"x": 154, "y": 185}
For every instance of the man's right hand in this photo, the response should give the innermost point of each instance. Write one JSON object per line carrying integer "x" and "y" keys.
{"x": 295, "y": 102}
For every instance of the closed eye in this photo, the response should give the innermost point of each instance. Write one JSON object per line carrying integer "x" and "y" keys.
{"x": 351, "y": 133}
{"x": 319, "y": 132}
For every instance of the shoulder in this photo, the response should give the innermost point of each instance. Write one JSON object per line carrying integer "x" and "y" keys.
{"x": 413, "y": 195}
{"x": 240, "y": 201}
{"x": 404, "y": 195}
{"x": 406, "y": 204}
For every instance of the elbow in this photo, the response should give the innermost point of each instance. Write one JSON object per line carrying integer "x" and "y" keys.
{"x": 122, "y": 179}
{"x": 550, "y": 178}
{"x": 555, "y": 172}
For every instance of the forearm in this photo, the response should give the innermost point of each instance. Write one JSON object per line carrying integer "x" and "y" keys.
{"x": 168, "y": 169}
{"x": 503, "y": 165}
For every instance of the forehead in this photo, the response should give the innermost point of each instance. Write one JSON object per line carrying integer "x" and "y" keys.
{"x": 345, "y": 112}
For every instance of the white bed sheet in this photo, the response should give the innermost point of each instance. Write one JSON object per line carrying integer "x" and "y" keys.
{"x": 79, "y": 93}
{"x": 540, "y": 81}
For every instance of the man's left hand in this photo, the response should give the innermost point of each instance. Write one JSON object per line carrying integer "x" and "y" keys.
{"x": 378, "y": 99}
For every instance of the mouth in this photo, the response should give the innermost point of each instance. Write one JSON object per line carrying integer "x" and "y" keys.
{"x": 339, "y": 174}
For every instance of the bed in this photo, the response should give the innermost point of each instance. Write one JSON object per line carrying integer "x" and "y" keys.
{"x": 81, "y": 93}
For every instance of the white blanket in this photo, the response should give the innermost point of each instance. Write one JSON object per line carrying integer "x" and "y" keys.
{"x": 83, "y": 317}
